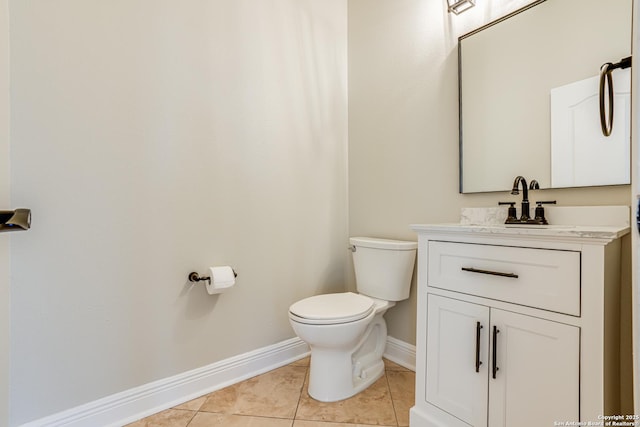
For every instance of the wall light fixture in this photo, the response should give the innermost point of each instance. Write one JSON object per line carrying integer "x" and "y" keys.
{"x": 459, "y": 6}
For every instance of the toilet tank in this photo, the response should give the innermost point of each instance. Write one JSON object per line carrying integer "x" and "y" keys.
{"x": 383, "y": 267}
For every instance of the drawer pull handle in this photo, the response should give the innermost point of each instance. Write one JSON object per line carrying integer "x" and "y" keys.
{"x": 496, "y": 331}
{"x": 478, "y": 362}
{"x": 493, "y": 273}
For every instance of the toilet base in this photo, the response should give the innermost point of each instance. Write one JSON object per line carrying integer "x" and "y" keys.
{"x": 336, "y": 374}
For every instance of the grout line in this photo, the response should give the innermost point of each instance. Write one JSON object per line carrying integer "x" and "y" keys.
{"x": 192, "y": 417}
{"x": 304, "y": 381}
{"x": 393, "y": 405}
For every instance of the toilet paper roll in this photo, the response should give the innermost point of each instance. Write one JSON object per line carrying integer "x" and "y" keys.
{"x": 222, "y": 278}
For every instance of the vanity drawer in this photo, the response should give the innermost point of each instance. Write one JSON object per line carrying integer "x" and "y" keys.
{"x": 540, "y": 278}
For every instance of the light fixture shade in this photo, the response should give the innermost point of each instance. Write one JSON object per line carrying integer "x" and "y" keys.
{"x": 459, "y": 6}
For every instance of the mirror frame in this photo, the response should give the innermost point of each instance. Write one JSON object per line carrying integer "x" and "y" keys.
{"x": 462, "y": 37}
{"x": 461, "y": 145}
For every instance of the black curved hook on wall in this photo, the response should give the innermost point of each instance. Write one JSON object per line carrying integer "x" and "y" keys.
{"x": 18, "y": 219}
{"x": 606, "y": 122}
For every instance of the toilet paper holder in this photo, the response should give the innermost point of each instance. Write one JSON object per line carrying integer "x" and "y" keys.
{"x": 195, "y": 277}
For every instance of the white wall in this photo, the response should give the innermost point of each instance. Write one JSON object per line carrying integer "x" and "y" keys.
{"x": 403, "y": 125}
{"x": 152, "y": 138}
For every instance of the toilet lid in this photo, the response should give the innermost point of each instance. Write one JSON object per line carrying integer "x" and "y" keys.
{"x": 333, "y": 308}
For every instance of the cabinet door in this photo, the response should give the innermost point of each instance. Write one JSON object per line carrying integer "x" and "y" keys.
{"x": 457, "y": 358}
{"x": 537, "y": 378}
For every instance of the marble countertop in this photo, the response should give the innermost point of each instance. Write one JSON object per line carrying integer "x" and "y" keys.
{"x": 578, "y": 231}
{"x": 582, "y": 222}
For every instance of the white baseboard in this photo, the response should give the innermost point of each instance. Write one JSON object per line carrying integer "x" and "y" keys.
{"x": 130, "y": 405}
{"x": 400, "y": 352}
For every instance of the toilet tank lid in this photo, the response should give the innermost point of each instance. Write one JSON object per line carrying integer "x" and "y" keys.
{"x": 376, "y": 243}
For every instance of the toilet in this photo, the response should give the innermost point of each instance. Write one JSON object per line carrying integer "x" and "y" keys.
{"x": 346, "y": 331}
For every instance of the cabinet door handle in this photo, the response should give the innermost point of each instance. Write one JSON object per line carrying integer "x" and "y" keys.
{"x": 478, "y": 362}
{"x": 492, "y": 273}
{"x": 495, "y": 351}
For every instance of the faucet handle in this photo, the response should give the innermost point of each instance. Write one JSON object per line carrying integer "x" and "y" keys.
{"x": 540, "y": 211}
{"x": 511, "y": 213}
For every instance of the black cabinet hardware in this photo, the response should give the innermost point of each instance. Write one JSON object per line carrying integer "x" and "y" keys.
{"x": 495, "y": 351}
{"x": 478, "y": 362}
{"x": 492, "y": 273}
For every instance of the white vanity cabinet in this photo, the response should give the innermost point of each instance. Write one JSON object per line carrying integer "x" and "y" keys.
{"x": 516, "y": 327}
{"x": 533, "y": 360}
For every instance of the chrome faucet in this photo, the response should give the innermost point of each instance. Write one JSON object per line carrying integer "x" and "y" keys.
{"x": 524, "y": 216}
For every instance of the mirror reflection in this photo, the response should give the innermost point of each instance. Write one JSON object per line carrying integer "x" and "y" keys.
{"x": 529, "y": 97}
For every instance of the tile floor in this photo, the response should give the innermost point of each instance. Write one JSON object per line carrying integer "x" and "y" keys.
{"x": 279, "y": 398}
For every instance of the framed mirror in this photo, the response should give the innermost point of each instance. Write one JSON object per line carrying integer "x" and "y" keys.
{"x": 528, "y": 87}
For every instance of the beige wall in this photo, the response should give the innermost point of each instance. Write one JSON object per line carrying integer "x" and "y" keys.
{"x": 152, "y": 138}
{"x": 403, "y": 125}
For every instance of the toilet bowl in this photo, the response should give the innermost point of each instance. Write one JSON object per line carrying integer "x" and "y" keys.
{"x": 346, "y": 332}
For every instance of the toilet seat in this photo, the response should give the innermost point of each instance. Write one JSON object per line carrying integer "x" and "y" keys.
{"x": 331, "y": 309}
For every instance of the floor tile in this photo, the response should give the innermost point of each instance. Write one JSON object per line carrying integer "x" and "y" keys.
{"x": 402, "y": 388}
{"x": 372, "y": 406}
{"x": 168, "y": 418}
{"x": 222, "y": 401}
{"x": 192, "y": 405}
{"x": 208, "y": 419}
{"x": 271, "y": 399}
{"x": 274, "y": 394}
{"x": 301, "y": 423}
{"x": 302, "y": 362}
{"x": 391, "y": 366}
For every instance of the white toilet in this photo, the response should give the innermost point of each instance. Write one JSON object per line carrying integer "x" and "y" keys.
{"x": 346, "y": 331}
